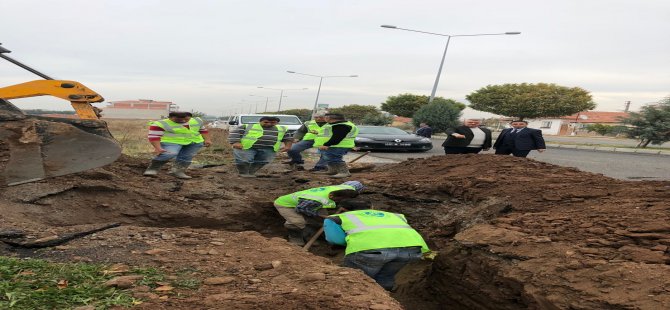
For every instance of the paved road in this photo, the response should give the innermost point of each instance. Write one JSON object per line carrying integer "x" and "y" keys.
{"x": 599, "y": 141}
{"x": 617, "y": 165}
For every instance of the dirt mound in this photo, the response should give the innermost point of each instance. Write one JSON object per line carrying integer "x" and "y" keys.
{"x": 519, "y": 233}
{"x": 163, "y": 214}
{"x": 512, "y": 233}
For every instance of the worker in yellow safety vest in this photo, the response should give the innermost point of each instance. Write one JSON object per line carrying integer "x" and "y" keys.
{"x": 304, "y": 139}
{"x": 256, "y": 145}
{"x": 335, "y": 140}
{"x": 304, "y": 210}
{"x": 379, "y": 243}
{"x": 179, "y": 136}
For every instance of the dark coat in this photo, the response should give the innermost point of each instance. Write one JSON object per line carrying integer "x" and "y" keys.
{"x": 467, "y": 132}
{"x": 526, "y": 140}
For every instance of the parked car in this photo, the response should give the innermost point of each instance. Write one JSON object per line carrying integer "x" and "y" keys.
{"x": 391, "y": 139}
{"x": 292, "y": 122}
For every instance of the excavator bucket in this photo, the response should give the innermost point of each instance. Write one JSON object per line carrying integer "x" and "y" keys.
{"x": 33, "y": 147}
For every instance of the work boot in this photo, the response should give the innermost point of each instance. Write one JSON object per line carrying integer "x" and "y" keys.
{"x": 295, "y": 237}
{"x": 179, "y": 169}
{"x": 254, "y": 168}
{"x": 243, "y": 170}
{"x": 342, "y": 171}
{"x": 315, "y": 169}
{"x": 153, "y": 168}
{"x": 329, "y": 171}
{"x": 297, "y": 167}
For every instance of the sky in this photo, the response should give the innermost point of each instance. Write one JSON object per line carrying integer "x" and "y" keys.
{"x": 212, "y": 55}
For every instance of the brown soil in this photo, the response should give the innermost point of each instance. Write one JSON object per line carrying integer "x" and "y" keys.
{"x": 511, "y": 233}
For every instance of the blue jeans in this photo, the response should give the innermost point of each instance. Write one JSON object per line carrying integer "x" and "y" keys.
{"x": 382, "y": 264}
{"x": 334, "y": 155}
{"x": 259, "y": 155}
{"x": 184, "y": 153}
{"x": 298, "y": 148}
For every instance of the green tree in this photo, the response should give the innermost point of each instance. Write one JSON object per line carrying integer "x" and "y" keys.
{"x": 303, "y": 114}
{"x": 439, "y": 115}
{"x": 600, "y": 129}
{"x": 531, "y": 100}
{"x": 407, "y": 104}
{"x": 377, "y": 119}
{"x": 651, "y": 124}
{"x": 355, "y": 112}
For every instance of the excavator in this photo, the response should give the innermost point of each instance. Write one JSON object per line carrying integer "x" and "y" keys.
{"x": 33, "y": 147}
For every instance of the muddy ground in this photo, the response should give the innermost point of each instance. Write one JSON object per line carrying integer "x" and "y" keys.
{"x": 511, "y": 233}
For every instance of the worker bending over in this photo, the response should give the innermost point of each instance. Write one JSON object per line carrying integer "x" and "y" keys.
{"x": 378, "y": 243}
{"x": 304, "y": 210}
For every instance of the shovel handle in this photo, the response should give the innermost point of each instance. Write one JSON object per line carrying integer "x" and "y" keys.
{"x": 317, "y": 234}
{"x": 359, "y": 157}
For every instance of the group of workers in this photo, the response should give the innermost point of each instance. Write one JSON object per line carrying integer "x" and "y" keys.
{"x": 377, "y": 242}
{"x": 181, "y": 135}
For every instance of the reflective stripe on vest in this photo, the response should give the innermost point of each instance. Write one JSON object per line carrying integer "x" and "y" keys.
{"x": 326, "y": 133}
{"x": 311, "y": 126}
{"x": 178, "y": 134}
{"x": 360, "y": 226}
{"x": 372, "y": 229}
{"x": 319, "y": 194}
{"x": 254, "y": 132}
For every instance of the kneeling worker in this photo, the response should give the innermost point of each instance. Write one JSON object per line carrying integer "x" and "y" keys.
{"x": 378, "y": 243}
{"x": 310, "y": 205}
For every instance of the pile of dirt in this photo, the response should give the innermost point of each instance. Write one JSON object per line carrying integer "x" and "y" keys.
{"x": 511, "y": 233}
{"x": 514, "y": 233}
{"x": 223, "y": 226}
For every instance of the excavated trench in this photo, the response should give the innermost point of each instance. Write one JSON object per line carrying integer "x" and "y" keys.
{"x": 534, "y": 250}
{"x": 419, "y": 287}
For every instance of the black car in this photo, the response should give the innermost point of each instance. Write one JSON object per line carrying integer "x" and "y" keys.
{"x": 391, "y": 139}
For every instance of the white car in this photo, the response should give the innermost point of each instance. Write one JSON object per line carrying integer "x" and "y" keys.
{"x": 292, "y": 122}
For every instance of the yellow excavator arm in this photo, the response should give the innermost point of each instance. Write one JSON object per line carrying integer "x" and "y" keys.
{"x": 79, "y": 95}
{"x": 34, "y": 147}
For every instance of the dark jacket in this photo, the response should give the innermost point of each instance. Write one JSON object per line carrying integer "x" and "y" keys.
{"x": 525, "y": 140}
{"x": 424, "y": 132}
{"x": 467, "y": 132}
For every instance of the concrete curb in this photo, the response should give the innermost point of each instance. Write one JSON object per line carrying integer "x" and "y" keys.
{"x": 597, "y": 148}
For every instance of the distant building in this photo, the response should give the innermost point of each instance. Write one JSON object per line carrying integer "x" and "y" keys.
{"x": 138, "y": 109}
{"x": 576, "y": 123}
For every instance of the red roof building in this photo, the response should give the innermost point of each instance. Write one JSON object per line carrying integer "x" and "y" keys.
{"x": 138, "y": 109}
{"x": 596, "y": 117}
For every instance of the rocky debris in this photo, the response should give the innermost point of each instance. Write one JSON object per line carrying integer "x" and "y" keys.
{"x": 123, "y": 282}
{"x": 219, "y": 280}
{"x": 315, "y": 276}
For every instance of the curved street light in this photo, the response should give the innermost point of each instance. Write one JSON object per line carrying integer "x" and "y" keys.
{"x": 321, "y": 77}
{"x": 449, "y": 36}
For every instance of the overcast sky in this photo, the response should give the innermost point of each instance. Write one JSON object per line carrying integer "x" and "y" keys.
{"x": 211, "y": 55}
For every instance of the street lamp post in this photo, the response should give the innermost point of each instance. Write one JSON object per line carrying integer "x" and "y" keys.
{"x": 321, "y": 77}
{"x": 281, "y": 94}
{"x": 449, "y": 36}
{"x": 266, "y": 101}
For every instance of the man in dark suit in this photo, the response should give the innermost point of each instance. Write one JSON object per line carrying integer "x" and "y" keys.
{"x": 467, "y": 139}
{"x": 519, "y": 140}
